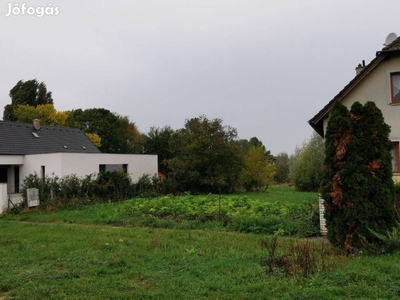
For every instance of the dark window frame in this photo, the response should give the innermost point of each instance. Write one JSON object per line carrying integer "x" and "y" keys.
{"x": 43, "y": 172}
{"x": 16, "y": 179}
{"x": 395, "y": 98}
{"x": 396, "y": 168}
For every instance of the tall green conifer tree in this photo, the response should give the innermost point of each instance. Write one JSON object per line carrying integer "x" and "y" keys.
{"x": 357, "y": 185}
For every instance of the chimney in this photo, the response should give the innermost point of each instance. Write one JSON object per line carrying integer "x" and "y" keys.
{"x": 36, "y": 124}
{"x": 360, "y": 67}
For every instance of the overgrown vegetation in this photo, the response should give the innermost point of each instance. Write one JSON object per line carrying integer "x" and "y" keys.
{"x": 306, "y": 165}
{"x": 238, "y": 213}
{"x": 357, "y": 185}
{"x": 48, "y": 258}
{"x": 73, "y": 191}
{"x": 389, "y": 241}
{"x": 299, "y": 259}
{"x": 281, "y": 211}
{"x": 60, "y": 261}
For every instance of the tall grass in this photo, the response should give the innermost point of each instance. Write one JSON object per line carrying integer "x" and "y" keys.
{"x": 269, "y": 213}
{"x": 70, "y": 261}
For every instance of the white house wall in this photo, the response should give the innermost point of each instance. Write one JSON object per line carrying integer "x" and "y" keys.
{"x": 83, "y": 164}
{"x": 11, "y": 160}
{"x": 33, "y": 163}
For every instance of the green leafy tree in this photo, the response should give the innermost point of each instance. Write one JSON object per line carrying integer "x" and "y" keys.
{"x": 306, "y": 165}
{"x": 117, "y": 134}
{"x": 207, "y": 157}
{"x": 357, "y": 182}
{"x": 31, "y": 93}
{"x": 258, "y": 171}
{"x": 246, "y": 145}
{"x": 282, "y": 167}
{"x": 158, "y": 141}
{"x": 132, "y": 139}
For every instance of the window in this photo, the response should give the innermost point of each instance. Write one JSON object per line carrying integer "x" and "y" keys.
{"x": 16, "y": 179}
{"x": 43, "y": 172}
{"x": 395, "y": 157}
{"x": 3, "y": 174}
{"x": 395, "y": 87}
{"x": 113, "y": 167}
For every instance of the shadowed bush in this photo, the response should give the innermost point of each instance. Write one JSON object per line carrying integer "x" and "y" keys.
{"x": 72, "y": 190}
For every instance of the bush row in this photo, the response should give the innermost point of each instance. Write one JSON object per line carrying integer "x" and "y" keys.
{"x": 72, "y": 190}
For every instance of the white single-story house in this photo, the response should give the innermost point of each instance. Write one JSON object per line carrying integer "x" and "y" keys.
{"x": 58, "y": 151}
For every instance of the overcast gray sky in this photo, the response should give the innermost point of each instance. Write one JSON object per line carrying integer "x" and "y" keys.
{"x": 264, "y": 67}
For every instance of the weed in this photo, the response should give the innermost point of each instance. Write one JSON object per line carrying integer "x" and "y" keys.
{"x": 17, "y": 208}
{"x": 301, "y": 259}
{"x": 60, "y": 261}
{"x": 388, "y": 242}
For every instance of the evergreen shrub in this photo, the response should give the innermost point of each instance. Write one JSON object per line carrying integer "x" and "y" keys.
{"x": 357, "y": 184}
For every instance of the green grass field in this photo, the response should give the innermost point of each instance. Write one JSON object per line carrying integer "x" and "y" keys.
{"x": 82, "y": 254}
{"x": 285, "y": 194}
{"x": 280, "y": 210}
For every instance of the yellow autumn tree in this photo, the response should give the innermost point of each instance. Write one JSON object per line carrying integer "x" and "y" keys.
{"x": 94, "y": 138}
{"x": 46, "y": 113}
{"x": 258, "y": 171}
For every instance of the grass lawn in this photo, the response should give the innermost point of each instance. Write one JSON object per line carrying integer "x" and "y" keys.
{"x": 279, "y": 210}
{"x": 285, "y": 194}
{"x": 67, "y": 261}
{"x": 81, "y": 254}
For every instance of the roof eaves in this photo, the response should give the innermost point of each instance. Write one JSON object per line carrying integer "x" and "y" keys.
{"x": 356, "y": 80}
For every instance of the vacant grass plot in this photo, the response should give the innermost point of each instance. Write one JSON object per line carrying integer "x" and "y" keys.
{"x": 69, "y": 261}
{"x": 185, "y": 248}
{"x": 280, "y": 211}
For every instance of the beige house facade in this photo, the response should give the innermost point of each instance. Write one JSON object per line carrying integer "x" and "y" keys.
{"x": 379, "y": 81}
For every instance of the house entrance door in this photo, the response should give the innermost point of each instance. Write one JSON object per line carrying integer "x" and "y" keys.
{"x": 3, "y": 175}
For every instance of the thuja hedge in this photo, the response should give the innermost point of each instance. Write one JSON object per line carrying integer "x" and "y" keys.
{"x": 357, "y": 184}
{"x": 72, "y": 190}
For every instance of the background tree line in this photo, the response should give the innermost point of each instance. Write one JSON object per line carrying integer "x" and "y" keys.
{"x": 203, "y": 156}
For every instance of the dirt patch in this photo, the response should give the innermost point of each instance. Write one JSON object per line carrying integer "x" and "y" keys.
{"x": 4, "y": 296}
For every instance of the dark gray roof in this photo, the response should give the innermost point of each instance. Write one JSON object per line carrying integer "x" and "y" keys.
{"x": 390, "y": 50}
{"x": 19, "y": 139}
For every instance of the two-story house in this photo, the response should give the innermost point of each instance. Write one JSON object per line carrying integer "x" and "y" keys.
{"x": 378, "y": 81}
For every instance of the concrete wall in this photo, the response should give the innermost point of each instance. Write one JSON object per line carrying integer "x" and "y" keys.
{"x": 83, "y": 164}
{"x": 3, "y": 197}
{"x": 11, "y": 159}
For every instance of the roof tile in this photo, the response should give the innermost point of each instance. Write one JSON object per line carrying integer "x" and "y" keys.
{"x": 393, "y": 46}
{"x": 18, "y": 139}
